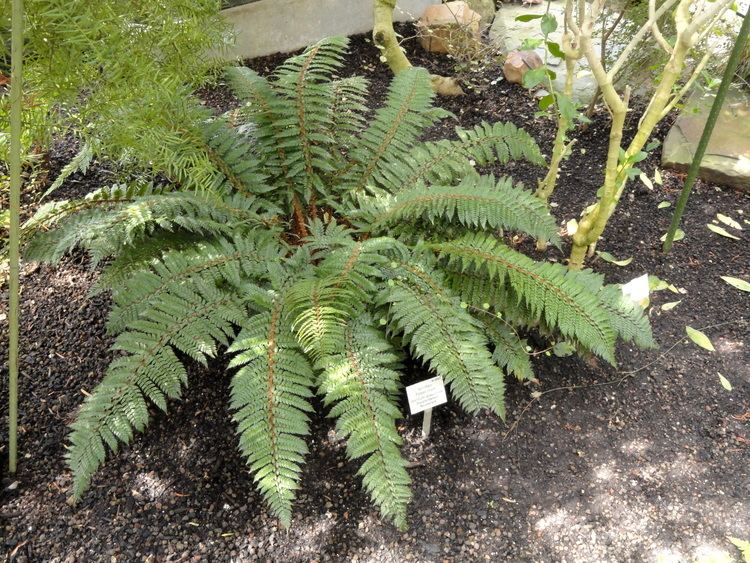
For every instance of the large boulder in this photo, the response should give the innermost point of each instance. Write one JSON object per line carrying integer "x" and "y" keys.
{"x": 727, "y": 158}
{"x": 446, "y": 27}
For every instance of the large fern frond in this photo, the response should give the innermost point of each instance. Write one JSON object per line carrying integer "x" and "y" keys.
{"x": 444, "y": 335}
{"x": 362, "y": 381}
{"x": 234, "y": 158}
{"x": 394, "y": 129}
{"x": 234, "y": 261}
{"x": 550, "y": 291}
{"x": 305, "y": 128}
{"x": 189, "y": 319}
{"x": 270, "y": 397}
{"x": 444, "y": 162}
{"x": 478, "y": 202}
{"x": 105, "y": 225}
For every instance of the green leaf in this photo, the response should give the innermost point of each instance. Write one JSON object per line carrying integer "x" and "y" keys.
{"x": 699, "y": 338}
{"x": 555, "y": 50}
{"x": 664, "y": 205}
{"x": 534, "y": 77}
{"x": 546, "y": 101}
{"x": 563, "y": 349}
{"x": 721, "y": 231}
{"x": 528, "y": 17}
{"x": 729, "y": 221}
{"x": 548, "y": 24}
{"x": 530, "y": 43}
{"x": 679, "y": 234}
{"x": 725, "y": 383}
{"x": 671, "y": 305}
{"x": 607, "y": 257}
{"x": 740, "y": 284}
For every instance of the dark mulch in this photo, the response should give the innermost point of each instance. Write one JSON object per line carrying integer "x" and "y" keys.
{"x": 618, "y": 464}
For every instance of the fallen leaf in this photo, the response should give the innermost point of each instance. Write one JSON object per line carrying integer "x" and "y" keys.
{"x": 725, "y": 383}
{"x": 607, "y": 257}
{"x": 728, "y": 221}
{"x": 664, "y": 205}
{"x": 699, "y": 338}
{"x": 740, "y": 284}
{"x": 657, "y": 176}
{"x": 671, "y": 305}
{"x": 679, "y": 234}
{"x": 720, "y": 231}
{"x": 647, "y": 181}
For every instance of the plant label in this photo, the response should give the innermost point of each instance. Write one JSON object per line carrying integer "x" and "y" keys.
{"x": 637, "y": 290}
{"x": 426, "y": 394}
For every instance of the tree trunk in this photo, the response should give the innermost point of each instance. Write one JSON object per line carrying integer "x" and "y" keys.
{"x": 385, "y": 39}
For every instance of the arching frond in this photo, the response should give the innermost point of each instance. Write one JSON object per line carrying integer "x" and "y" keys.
{"x": 234, "y": 261}
{"x": 478, "y": 202}
{"x": 444, "y": 162}
{"x": 549, "y": 291}
{"x": 394, "y": 129}
{"x": 361, "y": 382}
{"x": 190, "y": 320}
{"x": 443, "y": 334}
{"x": 270, "y": 397}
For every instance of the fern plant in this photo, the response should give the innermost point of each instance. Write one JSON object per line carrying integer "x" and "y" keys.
{"x": 328, "y": 242}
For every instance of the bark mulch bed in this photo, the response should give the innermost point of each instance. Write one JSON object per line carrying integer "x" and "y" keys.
{"x": 609, "y": 464}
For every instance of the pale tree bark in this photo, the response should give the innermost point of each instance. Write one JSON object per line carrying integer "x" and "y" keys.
{"x": 694, "y": 20}
{"x": 385, "y": 39}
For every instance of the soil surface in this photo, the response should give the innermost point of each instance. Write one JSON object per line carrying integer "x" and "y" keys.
{"x": 632, "y": 463}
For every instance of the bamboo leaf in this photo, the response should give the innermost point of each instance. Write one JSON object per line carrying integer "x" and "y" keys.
{"x": 657, "y": 177}
{"x": 728, "y": 221}
{"x": 740, "y": 284}
{"x": 699, "y": 338}
{"x": 607, "y": 257}
{"x": 679, "y": 234}
{"x": 720, "y": 231}
{"x": 725, "y": 383}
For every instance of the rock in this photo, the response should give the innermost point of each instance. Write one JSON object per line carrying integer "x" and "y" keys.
{"x": 445, "y": 27}
{"x": 727, "y": 158}
{"x": 518, "y": 63}
{"x": 486, "y": 10}
{"x": 584, "y": 83}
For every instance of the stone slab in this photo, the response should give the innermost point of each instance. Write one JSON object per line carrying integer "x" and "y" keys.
{"x": 281, "y": 26}
{"x": 727, "y": 158}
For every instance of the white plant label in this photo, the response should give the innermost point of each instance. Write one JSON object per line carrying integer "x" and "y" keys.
{"x": 637, "y": 290}
{"x": 426, "y": 394}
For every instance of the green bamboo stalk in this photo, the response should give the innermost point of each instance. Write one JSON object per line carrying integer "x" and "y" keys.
{"x": 16, "y": 101}
{"x": 721, "y": 94}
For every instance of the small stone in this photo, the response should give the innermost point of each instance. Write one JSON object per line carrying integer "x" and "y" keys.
{"x": 518, "y": 63}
